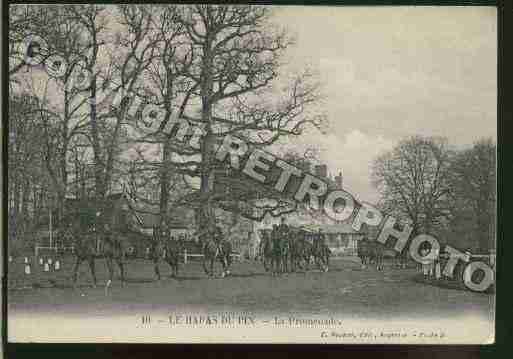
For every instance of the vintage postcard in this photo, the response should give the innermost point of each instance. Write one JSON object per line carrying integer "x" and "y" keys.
{"x": 251, "y": 174}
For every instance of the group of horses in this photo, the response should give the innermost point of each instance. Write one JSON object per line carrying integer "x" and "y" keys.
{"x": 114, "y": 249}
{"x": 279, "y": 254}
{"x": 291, "y": 252}
{"x": 374, "y": 252}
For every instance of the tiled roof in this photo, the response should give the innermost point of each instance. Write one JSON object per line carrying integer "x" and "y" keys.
{"x": 333, "y": 228}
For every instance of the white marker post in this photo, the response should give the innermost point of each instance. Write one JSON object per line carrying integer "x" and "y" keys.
{"x": 50, "y": 227}
{"x": 28, "y": 270}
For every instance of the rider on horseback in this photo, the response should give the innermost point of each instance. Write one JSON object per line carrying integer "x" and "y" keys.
{"x": 283, "y": 229}
{"x": 217, "y": 235}
{"x": 319, "y": 240}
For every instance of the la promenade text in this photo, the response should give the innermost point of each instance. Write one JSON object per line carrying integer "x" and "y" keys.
{"x": 237, "y": 319}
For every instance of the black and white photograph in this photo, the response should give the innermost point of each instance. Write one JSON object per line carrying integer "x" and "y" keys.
{"x": 251, "y": 174}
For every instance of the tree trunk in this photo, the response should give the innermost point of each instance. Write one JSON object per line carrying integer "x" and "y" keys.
{"x": 98, "y": 164}
{"x": 25, "y": 215}
{"x": 207, "y": 145}
{"x": 15, "y": 208}
{"x": 164, "y": 181}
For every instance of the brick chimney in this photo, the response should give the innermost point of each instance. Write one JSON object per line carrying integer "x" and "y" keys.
{"x": 339, "y": 180}
{"x": 321, "y": 171}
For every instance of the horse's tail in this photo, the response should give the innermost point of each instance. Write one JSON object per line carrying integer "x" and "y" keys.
{"x": 206, "y": 256}
{"x": 227, "y": 249}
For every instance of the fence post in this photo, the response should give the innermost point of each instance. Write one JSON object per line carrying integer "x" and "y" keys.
{"x": 185, "y": 256}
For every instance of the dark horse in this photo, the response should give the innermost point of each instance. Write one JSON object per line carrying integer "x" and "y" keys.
{"x": 212, "y": 251}
{"x": 266, "y": 249}
{"x": 364, "y": 252}
{"x": 277, "y": 252}
{"x": 85, "y": 249}
{"x": 301, "y": 251}
{"x": 371, "y": 251}
{"x": 321, "y": 254}
{"x": 166, "y": 250}
{"x": 286, "y": 254}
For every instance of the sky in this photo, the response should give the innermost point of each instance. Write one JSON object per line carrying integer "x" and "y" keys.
{"x": 391, "y": 72}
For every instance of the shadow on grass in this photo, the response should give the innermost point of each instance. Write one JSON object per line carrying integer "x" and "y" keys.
{"x": 56, "y": 285}
{"x": 447, "y": 284}
{"x": 140, "y": 280}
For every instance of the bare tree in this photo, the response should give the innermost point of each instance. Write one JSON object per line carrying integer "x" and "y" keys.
{"x": 27, "y": 183}
{"x": 235, "y": 54}
{"x": 67, "y": 48}
{"x": 413, "y": 181}
{"x": 168, "y": 88}
{"x": 473, "y": 183}
{"x": 115, "y": 62}
{"x": 24, "y": 20}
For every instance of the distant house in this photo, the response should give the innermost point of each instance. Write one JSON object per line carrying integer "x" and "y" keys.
{"x": 117, "y": 211}
{"x": 341, "y": 238}
{"x": 178, "y": 223}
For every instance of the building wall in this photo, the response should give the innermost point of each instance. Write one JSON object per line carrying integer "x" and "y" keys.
{"x": 339, "y": 243}
{"x": 237, "y": 229}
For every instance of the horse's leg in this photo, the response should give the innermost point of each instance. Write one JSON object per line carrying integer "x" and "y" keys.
{"x": 93, "y": 273}
{"x": 110, "y": 266}
{"x": 228, "y": 263}
{"x": 156, "y": 267}
{"x": 265, "y": 261}
{"x": 171, "y": 262}
{"x": 223, "y": 265}
{"x": 210, "y": 266}
{"x": 300, "y": 259}
{"x": 75, "y": 271}
{"x": 176, "y": 266}
{"x": 205, "y": 259}
{"x": 121, "y": 270}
